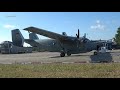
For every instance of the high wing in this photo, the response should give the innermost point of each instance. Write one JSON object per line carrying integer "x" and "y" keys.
{"x": 49, "y": 34}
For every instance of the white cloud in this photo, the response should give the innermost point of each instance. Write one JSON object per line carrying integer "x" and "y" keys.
{"x": 98, "y": 26}
{"x": 97, "y": 21}
{"x": 8, "y": 26}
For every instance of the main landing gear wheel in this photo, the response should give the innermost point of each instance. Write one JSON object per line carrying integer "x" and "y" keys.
{"x": 62, "y": 54}
{"x": 68, "y": 53}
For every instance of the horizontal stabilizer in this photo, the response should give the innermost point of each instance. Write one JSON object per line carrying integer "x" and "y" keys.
{"x": 32, "y": 42}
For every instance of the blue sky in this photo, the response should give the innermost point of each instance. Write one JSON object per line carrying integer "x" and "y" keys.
{"x": 97, "y": 25}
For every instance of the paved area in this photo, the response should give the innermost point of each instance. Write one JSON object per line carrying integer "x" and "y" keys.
{"x": 50, "y": 57}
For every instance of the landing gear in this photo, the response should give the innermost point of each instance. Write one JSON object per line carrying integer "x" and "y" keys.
{"x": 62, "y": 54}
{"x": 68, "y": 53}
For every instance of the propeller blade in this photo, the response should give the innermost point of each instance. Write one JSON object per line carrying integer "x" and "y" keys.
{"x": 78, "y": 34}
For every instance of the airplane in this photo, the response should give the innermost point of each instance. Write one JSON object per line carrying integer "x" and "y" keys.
{"x": 62, "y": 42}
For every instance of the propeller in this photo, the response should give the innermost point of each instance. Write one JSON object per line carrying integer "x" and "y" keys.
{"x": 82, "y": 40}
{"x": 78, "y": 35}
{"x": 78, "y": 39}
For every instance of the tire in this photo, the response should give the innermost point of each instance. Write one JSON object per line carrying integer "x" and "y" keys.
{"x": 62, "y": 54}
{"x": 68, "y": 53}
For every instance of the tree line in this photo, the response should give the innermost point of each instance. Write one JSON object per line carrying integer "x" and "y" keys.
{"x": 117, "y": 37}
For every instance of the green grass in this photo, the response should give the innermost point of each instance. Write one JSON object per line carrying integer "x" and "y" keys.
{"x": 100, "y": 70}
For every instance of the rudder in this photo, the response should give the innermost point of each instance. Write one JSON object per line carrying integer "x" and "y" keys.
{"x": 17, "y": 38}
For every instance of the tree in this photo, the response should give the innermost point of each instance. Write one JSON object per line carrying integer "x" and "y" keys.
{"x": 117, "y": 36}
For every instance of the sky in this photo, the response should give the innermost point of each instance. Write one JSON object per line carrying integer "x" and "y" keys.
{"x": 97, "y": 25}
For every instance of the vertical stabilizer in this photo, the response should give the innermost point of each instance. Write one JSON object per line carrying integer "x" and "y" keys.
{"x": 17, "y": 38}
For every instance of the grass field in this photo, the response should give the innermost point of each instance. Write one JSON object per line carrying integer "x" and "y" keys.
{"x": 85, "y": 70}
